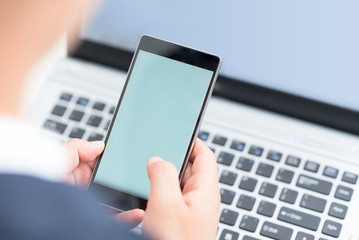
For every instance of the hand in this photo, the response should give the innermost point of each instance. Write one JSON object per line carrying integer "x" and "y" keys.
{"x": 192, "y": 213}
{"x": 82, "y": 156}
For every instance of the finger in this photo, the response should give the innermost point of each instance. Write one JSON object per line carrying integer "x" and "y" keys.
{"x": 131, "y": 218}
{"x": 78, "y": 150}
{"x": 187, "y": 174}
{"x": 202, "y": 158}
{"x": 165, "y": 185}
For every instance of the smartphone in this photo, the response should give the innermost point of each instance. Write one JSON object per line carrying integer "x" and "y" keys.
{"x": 158, "y": 114}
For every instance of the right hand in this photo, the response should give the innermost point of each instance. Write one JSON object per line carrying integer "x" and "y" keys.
{"x": 191, "y": 213}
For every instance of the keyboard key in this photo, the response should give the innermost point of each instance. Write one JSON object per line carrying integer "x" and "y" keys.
{"x": 95, "y": 137}
{"x": 331, "y": 228}
{"x": 338, "y": 210}
{"x": 288, "y": 196}
{"x": 58, "y": 110}
{"x": 77, "y": 133}
{"x": 94, "y": 120}
{"x": 292, "y": 161}
{"x": 66, "y": 97}
{"x": 219, "y": 140}
{"x": 213, "y": 150}
{"x": 343, "y": 193}
{"x": 268, "y": 189}
{"x": 314, "y": 184}
{"x": 298, "y": 218}
{"x": 228, "y": 235}
{"x": 311, "y": 166}
{"x": 313, "y": 203}
{"x": 107, "y": 125}
{"x": 55, "y": 126}
{"x": 264, "y": 170}
{"x": 330, "y": 172}
{"x": 248, "y": 183}
{"x": 256, "y": 150}
{"x": 249, "y": 223}
{"x": 246, "y": 202}
{"x": 99, "y": 106}
{"x": 227, "y": 196}
{"x": 266, "y": 208}
{"x": 228, "y": 177}
{"x": 203, "y": 135}
{"x": 350, "y": 177}
{"x": 245, "y": 164}
{"x": 82, "y": 101}
{"x": 225, "y": 158}
{"x": 304, "y": 236}
{"x": 112, "y": 110}
{"x": 228, "y": 217}
{"x": 249, "y": 238}
{"x": 285, "y": 175}
{"x": 237, "y": 145}
{"x": 276, "y": 231}
{"x": 274, "y": 156}
{"x": 76, "y": 115}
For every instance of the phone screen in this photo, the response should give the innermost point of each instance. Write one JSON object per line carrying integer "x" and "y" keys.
{"x": 157, "y": 117}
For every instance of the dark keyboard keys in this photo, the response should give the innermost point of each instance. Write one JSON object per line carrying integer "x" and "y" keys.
{"x": 107, "y": 125}
{"x": 343, "y": 193}
{"x": 99, "y": 106}
{"x": 331, "y": 228}
{"x": 55, "y": 126}
{"x": 228, "y": 235}
{"x": 227, "y": 196}
{"x": 248, "y": 183}
{"x": 228, "y": 177}
{"x": 237, "y": 145}
{"x": 284, "y": 175}
{"x": 314, "y": 184}
{"x": 225, "y": 158}
{"x": 288, "y": 196}
{"x": 264, "y": 170}
{"x": 66, "y": 97}
{"x": 268, "y": 189}
{"x": 330, "y": 172}
{"x": 256, "y": 150}
{"x": 94, "y": 121}
{"x": 313, "y": 203}
{"x": 228, "y": 217}
{"x": 245, "y": 164}
{"x": 311, "y": 166}
{"x": 249, "y": 223}
{"x": 77, "y": 133}
{"x": 58, "y": 110}
{"x": 82, "y": 101}
{"x": 274, "y": 156}
{"x": 276, "y": 231}
{"x": 298, "y": 218}
{"x": 95, "y": 137}
{"x": 338, "y": 210}
{"x": 112, "y": 110}
{"x": 266, "y": 208}
{"x": 350, "y": 177}
{"x": 246, "y": 202}
{"x": 203, "y": 135}
{"x": 304, "y": 236}
{"x": 292, "y": 161}
{"x": 76, "y": 115}
{"x": 219, "y": 140}
{"x": 249, "y": 238}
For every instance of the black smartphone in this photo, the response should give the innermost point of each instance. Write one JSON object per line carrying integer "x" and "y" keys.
{"x": 158, "y": 114}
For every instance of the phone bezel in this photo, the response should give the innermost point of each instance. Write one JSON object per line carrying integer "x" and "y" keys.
{"x": 124, "y": 201}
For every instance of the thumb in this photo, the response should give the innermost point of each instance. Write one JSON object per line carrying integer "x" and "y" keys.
{"x": 165, "y": 186}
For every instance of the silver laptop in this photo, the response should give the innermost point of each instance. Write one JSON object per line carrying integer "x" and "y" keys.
{"x": 284, "y": 118}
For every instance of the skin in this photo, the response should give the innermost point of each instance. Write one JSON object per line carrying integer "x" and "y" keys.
{"x": 27, "y": 29}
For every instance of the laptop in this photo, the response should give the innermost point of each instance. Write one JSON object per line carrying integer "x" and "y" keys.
{"x": 283, "y": 120}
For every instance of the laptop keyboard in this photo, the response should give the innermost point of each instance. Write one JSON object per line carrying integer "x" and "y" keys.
{"x": 264, "y": 192}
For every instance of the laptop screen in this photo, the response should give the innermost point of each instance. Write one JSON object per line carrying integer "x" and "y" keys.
{"x": 306, "y": 48}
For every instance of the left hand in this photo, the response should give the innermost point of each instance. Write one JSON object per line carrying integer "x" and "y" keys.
{"x": 82, "y": 156}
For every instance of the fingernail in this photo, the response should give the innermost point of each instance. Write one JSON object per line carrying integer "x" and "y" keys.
{"x": 98, "y": 144}
{"x": 153, "y": 160}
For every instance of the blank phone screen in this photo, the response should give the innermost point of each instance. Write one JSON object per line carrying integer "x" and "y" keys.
{"x": 157, "y": 116}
